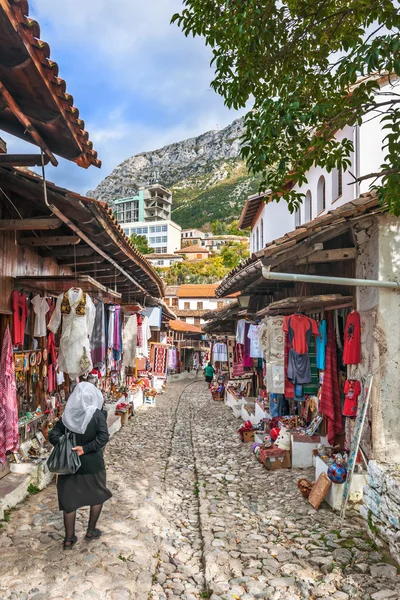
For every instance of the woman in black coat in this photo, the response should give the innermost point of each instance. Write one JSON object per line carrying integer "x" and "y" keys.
{"x": 87, "y": 487}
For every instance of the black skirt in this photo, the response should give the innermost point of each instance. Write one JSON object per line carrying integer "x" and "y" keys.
{"x": 75, "y": 491}
{"x": 209, "y": 378}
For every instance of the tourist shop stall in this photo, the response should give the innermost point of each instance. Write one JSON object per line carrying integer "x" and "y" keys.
{"x": 188, "y": 352}
{"x": 315, "y": 341}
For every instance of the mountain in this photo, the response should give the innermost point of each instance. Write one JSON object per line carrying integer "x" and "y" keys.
{"x": 208, "y": 179}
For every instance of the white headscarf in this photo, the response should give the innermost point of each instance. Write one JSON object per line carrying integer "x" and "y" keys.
{"x": 81, "y": 406}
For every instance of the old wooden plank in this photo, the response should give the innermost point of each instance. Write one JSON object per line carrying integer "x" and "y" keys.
{"x": 51, "y": 240}
{"x": 36, "y": 224}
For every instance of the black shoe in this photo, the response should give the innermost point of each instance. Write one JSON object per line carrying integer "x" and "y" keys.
{"x": 69, "y": 543}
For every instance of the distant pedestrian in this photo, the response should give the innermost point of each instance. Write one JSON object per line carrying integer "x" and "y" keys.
{"x": 209, "y": 372}
{"x": 87, "y": 487}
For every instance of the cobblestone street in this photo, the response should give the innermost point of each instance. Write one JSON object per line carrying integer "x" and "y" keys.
{"x": 193, "y": 515}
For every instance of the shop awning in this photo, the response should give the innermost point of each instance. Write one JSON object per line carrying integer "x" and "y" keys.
{"x": 103, "y": 251}
{"x": 300, "y": 303}
{"x": 299, "y": 248}
{"x": 34, "y": 103}
{"x": 58, "y": 284}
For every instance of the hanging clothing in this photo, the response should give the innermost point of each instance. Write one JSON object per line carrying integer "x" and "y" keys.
{"x": 352, "y": 389}
{"x": 254, "y": 337}
{"x": 77, "y": 312}
{"x": 146, "y": 336}
{"x": 19, "y": 305}
{"x": 172, "y": 358}
{"x": 240, "y": 331}
{"x": 300, "y": 328}
{"x": 41, "y": 308}
{"x": 9, "y": 441}
{"x": 139, "y": 331}
{"x": 321, "y": 341}
{"x": 275, "y": 379}
{"x": 220, "y": 352}
{"x": 129, "y": 337}
{"x": 51, "y": 348}
{"x": 289, "y": 387}
{"x": 98, "y": 337}
{"x": 111, "y": 326}
{"x": 312, "y": 388}
{"x": 352, "y": 339}
{"x": 329, "y": 404}
{"x": 272, "y": 340}
{"x": 117, "y": 346}
{"x": 52, "y": 306}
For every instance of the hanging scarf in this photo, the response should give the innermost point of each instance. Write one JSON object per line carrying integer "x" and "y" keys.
{"x": 329, "y": 404}
{"x": 8, "y": 400}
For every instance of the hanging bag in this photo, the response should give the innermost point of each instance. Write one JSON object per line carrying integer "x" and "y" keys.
{"x": 63, "y": 460}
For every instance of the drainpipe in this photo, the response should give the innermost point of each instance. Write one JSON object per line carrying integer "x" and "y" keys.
{"x": 268, "y": 274}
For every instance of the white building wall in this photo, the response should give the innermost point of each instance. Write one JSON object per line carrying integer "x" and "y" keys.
{"x": 366, "y": 158}
{"x": 208, "y": 303}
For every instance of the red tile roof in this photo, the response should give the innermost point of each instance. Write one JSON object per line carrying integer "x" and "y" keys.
{"x": 31, "y": 78}
{"x": 183, "y": 327}
{"x": 197, "y": 290}
{"x": 194, "y": 249}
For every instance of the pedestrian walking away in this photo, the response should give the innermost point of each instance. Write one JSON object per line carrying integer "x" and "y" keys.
{"x": 209, "y": 372}
{"x": 87, "y": 487}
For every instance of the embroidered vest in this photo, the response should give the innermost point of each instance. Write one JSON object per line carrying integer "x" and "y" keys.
{"x": 80, "y": 308}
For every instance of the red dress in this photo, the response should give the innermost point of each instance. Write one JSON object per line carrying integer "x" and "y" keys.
{"x": 19, "y": 306}
{"x": 352, "y": 339}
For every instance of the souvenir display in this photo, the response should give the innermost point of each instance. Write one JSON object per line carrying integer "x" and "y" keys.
{"x": 32, "y": 359}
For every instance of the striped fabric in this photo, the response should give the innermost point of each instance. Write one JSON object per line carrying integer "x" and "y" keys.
{"x": 8, "y": 400}
{"x": 329, "y": 404}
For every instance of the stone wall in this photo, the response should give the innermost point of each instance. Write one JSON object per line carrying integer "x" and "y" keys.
{"x": 381, "y": 505}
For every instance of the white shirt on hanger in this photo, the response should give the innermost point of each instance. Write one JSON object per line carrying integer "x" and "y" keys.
{"x": 146, "y": 331}
{"x": 240, "y": 331}
{"x": 255, "y": 344}
{"x": 41, "y": 308}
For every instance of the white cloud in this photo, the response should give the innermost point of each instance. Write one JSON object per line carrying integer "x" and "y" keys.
{"x": 143, "y": 82}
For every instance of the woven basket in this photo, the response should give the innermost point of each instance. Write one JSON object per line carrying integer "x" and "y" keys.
{"x": 305, "y": 486}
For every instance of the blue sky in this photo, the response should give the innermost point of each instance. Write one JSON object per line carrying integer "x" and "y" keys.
{"x": 138, "y": 82}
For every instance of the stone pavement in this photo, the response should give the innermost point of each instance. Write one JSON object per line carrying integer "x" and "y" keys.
{"x": 193, "y": 515}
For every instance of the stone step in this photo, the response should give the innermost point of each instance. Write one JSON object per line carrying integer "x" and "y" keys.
{"x": 13, "y": 489}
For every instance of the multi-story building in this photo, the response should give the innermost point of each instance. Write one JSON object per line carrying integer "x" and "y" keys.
{"x": 214, "y": 243}
{"x": 148, "y": 213}
{"x": 191, "y": 301}
{"x": 192, "y": 235}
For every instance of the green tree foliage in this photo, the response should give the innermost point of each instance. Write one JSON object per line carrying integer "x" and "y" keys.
{"x": 299, "y": 61}
{"x": 141, "y": 243}
{"x": 210, "y": 270}
{"x": 233, "y": 229}
{"x": 218, "y": 228}
{"x": 233, "y": 253}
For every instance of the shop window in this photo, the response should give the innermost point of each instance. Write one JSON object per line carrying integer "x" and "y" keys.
{"x": 186, "y": 306}
{"x": 321, "y": 195}
{"x": 308, "y": 207}
{"x": 199, "y": 306}
{"x": 175, "y": 302}
{"x": 337, "y": 183}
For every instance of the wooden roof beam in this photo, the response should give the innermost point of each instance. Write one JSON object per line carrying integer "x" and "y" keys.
{"x": 23, "y": 119}
{"x": 61, "y": 240}
{"x": 327, "y": 256}
{"x": 22, "y": 160}
{"x": 35, "y": 224}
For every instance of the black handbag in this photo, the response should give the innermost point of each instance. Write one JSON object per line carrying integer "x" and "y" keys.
{"x": 63, "y": 460}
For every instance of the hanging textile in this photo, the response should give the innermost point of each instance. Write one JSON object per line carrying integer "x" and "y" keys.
{"x": 172, "y": 358}
{"x": 19, "y": 305}
{"x": 98, "y": 337}
{"x": 255, "y": 345}
{"x": 76, "y": 311}
{"x": 8, "y": 400}
{"x": 241, "y": 331}
{"x": 329, "y": 404}
{"x": 158, "y": 359}
{"x": 129, "y": 337}
{"x": 146, "y": 336}
{"x": 272, "y": 340}
{"x": 139, "y": 331}
{"x": 289, "y": 387}
{"x": 300, "y": 330}
{"x": 321, "y": 344}
{"x": 312, "y": 387}
{"x": 117, "y": 344}
{"x": 111, "y": 326}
